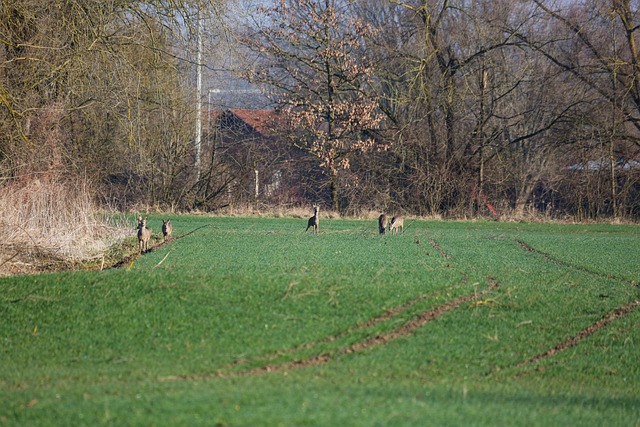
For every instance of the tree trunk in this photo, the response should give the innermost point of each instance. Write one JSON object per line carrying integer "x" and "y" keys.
{"x": 335, "y": 205}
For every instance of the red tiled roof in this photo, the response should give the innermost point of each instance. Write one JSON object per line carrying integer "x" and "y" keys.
{"x": 257, "y": 119}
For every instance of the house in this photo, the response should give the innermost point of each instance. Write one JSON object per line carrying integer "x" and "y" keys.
{"x": 249, "y": 158}
{"x": 240, "y": 125}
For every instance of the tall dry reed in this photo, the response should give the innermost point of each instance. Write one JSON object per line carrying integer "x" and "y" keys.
{"x": 56, "y": 215}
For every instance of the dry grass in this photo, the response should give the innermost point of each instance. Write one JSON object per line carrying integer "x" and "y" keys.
{"x": 264, "y": 212}
{"x": 297, "y": 212}
{"x": 48, "y": 219}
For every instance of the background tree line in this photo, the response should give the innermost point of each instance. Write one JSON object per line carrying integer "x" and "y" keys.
{"x": 102, "y": 91}
{"x": 433, "y": 107}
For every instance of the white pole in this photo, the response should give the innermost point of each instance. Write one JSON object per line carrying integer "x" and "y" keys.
{"x": 257, "y": 188}
{"x": 198, "y": 140}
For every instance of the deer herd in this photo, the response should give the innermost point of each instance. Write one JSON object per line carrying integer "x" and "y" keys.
{"x": 397, "y": 222}
{"x": 144, "y": 233}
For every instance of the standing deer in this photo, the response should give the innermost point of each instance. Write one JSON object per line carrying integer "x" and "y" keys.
{"x": 167, "y": 229}
{"x": 396, "y": 222}
{"x": 382, "y": 224}
{"x": 313, "y": 221}
{"x": 144, "y": 234}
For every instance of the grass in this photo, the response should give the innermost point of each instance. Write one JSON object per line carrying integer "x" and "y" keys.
{"x": 249, "y": 321}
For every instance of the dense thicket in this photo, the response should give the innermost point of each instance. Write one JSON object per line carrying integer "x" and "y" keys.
{"x": 99, "y": 90}
{"x": 439, "y": 107}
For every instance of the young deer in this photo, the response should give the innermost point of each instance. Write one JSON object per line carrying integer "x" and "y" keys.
{"x": 314, "y": 221}
{"x": 144, "y": 234}
{"x": 396, "y": 222}
{"x": 382, "y": 224}
{"x": 167, "y": 229}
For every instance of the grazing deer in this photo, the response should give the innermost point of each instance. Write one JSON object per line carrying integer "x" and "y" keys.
{"x": 144, "y": 234}
{"x": 396, "y": 222}
{"x": 313, "y": 221}
{"x": 382, "y": 224}
{"x": 167, "y": 229}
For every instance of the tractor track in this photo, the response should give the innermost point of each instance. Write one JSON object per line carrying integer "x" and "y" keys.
{"x": 438, "y": 248}
{"x": 582, "y": 335}
{"x": 561, "y": 263}
{"x": 379, "y": 340}
{"x": 585, "y": 333}
{"x": 409, "y": 327}
{"x": 386, "y": 315}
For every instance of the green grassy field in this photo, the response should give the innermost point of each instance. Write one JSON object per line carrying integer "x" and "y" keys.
{"x": 251, "y": 322}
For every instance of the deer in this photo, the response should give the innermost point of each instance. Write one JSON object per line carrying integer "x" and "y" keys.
{"x": 167, "y": 229}
{"x": 313, "y": 221}
{"x": 144, "y": 234}
{"x": 382, "y": 224}
{"x": 396, "y": 223}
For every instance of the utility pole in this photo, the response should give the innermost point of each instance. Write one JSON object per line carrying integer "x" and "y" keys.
{"x": 198, "y": 137}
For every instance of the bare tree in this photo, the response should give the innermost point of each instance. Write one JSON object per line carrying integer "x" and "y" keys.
{"x": 596, "y": 44}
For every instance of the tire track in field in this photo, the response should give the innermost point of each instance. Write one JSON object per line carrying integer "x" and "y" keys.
{"x": 561, "y": 263}
{"x": 589, "y": 330}
{"x": 379, "y": 340}
{"x": 582, "y": 335}
{"x": 419, "y": 321}
{"x": 403, "y": 331}
{"x": 387, "y": 315}
{"x": 438, "y": 248}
